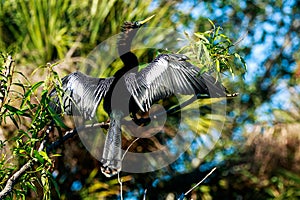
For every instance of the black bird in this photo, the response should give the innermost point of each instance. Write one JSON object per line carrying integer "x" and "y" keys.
{"x": 82, "y": 93}
{"x": 77, "y": 86}
{"x": 129, "y": 91}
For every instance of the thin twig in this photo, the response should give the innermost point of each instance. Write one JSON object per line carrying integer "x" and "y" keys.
{"x": 136, "y": 139}
{"x": 200, "y": 181}
{"x": 69, "y": 134}
{"x": 240, "y": 38}
{"x": 121, "y": 186}
{"x": 145, "y": 193}
{"x": 12, "y": 180}
{"x": 119, "y": 179}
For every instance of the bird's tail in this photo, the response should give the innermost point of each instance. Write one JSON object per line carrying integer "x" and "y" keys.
{"x": 111, "y": 158}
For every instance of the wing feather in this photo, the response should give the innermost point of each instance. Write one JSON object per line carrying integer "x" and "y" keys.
{"x": 81, "y": 93}
{"x": 170, "y": 74}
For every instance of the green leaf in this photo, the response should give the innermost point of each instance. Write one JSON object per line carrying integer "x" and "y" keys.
{"x": 218, "y": 66}
{"x": 45, "y": 97}
{"x": 38, "y": 156}
{"x": 31, "y": 186}
{"x": 241, "y": 59}
{"x": 201, "y": 36}
{"x": 31, "y": 90}
{"x": 11, "y": 108}
{"x": 56, "y": 118}
{"x": 14, "y": 121}
{"x": 44, "y": 178}
{"x": 211, "y": 22}
{"x": 21, "y": 85}
{"x": 203, "y": 70}
{"x": 45, "y": 156}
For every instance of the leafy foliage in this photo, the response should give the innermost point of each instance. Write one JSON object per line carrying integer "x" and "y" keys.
{"x": 211, "y": 52}
{"x": 27, "y": 109}
{"x": 37, "y": 32}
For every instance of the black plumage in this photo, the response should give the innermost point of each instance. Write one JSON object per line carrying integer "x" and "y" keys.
{"x": 129, "y": 91}
{"x": 77, "y": 87}
{"x": 170, "y": 74}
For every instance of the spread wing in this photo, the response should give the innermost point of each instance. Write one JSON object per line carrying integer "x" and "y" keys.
{"x": 81, "y": 93}
{"x": 170, "y": 74}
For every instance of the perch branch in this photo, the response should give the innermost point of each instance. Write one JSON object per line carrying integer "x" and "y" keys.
{"x": 71, "y": 133}
{"x": 190, "y": 101}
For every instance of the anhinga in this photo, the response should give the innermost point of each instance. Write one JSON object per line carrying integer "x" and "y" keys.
{"x": 83, "y": 93}
{"x": 129, "y": 91}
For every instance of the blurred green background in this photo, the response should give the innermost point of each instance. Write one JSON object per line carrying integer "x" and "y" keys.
{"x": 258, "y": 155}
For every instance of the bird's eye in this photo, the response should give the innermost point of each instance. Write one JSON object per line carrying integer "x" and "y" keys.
{"x": 137, "y": 24}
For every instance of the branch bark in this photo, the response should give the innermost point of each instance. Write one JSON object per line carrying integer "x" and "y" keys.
{"x": 12, "y": 180}
{"x": 4, "y": 87}
{"x": 69, "y": 134}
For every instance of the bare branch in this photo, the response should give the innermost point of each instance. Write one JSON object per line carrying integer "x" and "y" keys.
{"x": 12, "y": 180}
{"x": 121, "y": 186}
{"x": 181, "y": 197}
{"x": 4, "y": 88}
{"x": 69, "y": 134}
{"x": 145, "y": 193}
{"x": 136, "y": 139}
{"x": 119, "y": 179}
{"x": 190, "y": 101}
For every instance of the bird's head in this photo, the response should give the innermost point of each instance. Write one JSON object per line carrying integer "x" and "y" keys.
{"x": 127, "y": 26}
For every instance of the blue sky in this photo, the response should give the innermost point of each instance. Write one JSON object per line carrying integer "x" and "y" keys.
{"x": 260, "y": 51}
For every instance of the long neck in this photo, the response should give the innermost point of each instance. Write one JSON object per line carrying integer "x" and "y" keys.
{"x": 124, "y": 48}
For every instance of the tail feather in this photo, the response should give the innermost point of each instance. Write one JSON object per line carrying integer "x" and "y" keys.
{"x": 111, "y": 158}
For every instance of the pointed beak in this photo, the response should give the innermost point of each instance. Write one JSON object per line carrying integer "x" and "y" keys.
{"x": 146, "y": 20}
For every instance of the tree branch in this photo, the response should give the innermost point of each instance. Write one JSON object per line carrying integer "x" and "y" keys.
{"x": 200, "y": 181}
{"x": 4, "y": 87}
{"x": 12, "y": 180}
{"x": 69, "y": 134}
{"x": 190, "y": 101}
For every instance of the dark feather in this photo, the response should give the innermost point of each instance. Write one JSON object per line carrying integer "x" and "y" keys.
{"x": 170, "y": 74}
{"x": 82, "y": 94}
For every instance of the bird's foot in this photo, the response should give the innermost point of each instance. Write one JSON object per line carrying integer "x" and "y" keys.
{"x": 110, "y": 167}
